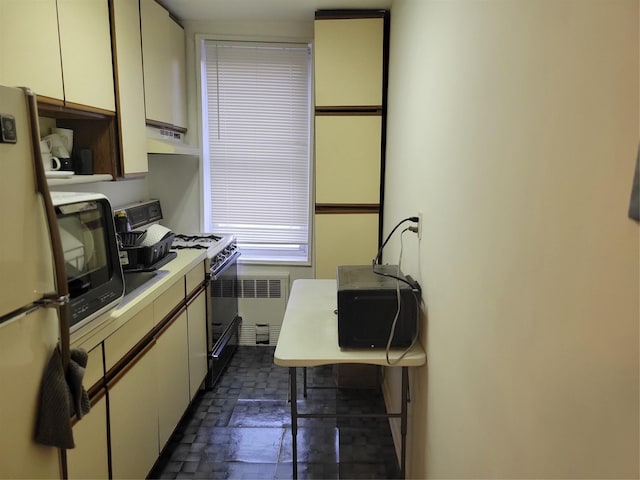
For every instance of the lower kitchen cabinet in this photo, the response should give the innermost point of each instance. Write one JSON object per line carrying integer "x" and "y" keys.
{"x": 154, "y": 364}
{"x": 133, "y": 417}
{"x": 172, "y": 371}
{"x": 90, "y": 457}
{"x": 197, "y": 333}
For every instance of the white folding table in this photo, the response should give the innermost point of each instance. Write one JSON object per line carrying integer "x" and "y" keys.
{"x": 309, "y": 337}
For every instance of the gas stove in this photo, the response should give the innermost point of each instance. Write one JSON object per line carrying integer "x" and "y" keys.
{"x": 223, "y": 320}
{"x": 221, "y": 250}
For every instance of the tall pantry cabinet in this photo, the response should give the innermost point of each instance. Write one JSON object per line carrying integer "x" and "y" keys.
{"x": 350, "y": 77}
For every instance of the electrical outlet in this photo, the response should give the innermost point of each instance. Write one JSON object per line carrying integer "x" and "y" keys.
{"x": 419, "y": 225}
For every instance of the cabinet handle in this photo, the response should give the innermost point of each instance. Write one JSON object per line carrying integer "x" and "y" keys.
{"x": 130, "y": 364}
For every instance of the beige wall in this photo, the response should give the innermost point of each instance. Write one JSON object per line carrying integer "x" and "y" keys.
{"x": 513, "y": 125}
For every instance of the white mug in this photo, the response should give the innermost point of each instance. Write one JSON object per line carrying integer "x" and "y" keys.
{"x": 50, "y": 162}
{"x": 67, "y": 137}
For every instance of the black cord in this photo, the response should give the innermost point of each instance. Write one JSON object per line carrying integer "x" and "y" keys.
{"x": 408, "y": 219}
{"x": 415, "y": 292}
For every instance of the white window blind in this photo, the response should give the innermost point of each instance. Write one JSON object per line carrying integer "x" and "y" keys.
{"x": 256, "y": 104}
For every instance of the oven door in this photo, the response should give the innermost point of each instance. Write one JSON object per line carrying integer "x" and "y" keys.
{"x": 224, "y": 321}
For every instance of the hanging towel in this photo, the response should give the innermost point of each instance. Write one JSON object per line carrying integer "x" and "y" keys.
{"x": 79, "y": 396}
{"x": 60, "y": 398}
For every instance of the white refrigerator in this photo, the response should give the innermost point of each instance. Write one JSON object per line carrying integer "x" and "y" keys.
{"x": 29, "y": 332}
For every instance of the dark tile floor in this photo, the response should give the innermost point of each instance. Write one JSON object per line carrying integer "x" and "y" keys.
{"x": 241, "y": 429}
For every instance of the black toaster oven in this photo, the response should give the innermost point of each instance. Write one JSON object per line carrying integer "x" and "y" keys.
{"x": 92, "y": 263}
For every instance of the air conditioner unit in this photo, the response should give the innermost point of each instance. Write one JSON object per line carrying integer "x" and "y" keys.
{"x": 262, "y": 299}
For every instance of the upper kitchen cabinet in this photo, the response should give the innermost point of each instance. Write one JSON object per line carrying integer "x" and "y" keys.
{"x": 348, "y": 59}
{"x": 29, "y": 46}
{"x": 127, "y": 58}
{"x": 351, "y": 54}
{"x": 46, "y": 41}
{"x": 85, "y": 44}
{"x": 348, "y": 159}
{"x": 163, "y": 57}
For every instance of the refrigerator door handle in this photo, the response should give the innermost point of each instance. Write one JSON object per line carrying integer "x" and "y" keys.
{"x": 54, "y": 300}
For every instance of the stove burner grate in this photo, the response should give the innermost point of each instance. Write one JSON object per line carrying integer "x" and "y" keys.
{"x": 198, "y": 238}
{"x": 201, "y": 246}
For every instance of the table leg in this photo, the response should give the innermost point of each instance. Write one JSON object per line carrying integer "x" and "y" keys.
{"x": 403, "y": 421}
{"x": 304, "y": 382}
{"x": 294, "y": 420}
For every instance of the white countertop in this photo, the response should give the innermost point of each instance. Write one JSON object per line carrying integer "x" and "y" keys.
{"x": 309, "y": 333}
{"x": 90, "y": 335}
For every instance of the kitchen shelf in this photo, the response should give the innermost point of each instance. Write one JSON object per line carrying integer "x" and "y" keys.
{"x": 77, "y": 179}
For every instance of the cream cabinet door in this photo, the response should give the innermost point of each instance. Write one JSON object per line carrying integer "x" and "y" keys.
{"x": 163, "y": 54}
{"x": 344, "y": 239}
{"x": 348, "y": 59}
{"x": 90, "y": 458}
{"x": 30, "y": 50}
{"x": 120, "y": 342}
{"x": 85, "y": 44}
{"x": 133, "y": 418}
{"x": 172, "y": 357}
{"x": 197, "y": 331}
{"x": 348, "y": 159}
{"x": 130, "y": 87}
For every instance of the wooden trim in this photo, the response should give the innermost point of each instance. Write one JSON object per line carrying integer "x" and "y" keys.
{"x": 340, "y": 208}
{"x": 170, "y": 321}
{"x": 129, "y": 358}
{"x": 383, "y": 138}
{"x": 168, "y": 126}
{"x": 130, "y": 363}
{"x": 89, "y": 109}
{"x": 95, "y": 389}
{"x": 118, "y": 166}
{"x": 77, "y": 112}
{"x": 93, "y": 400}
{"x": 195, "y": 293}
{"x": 42, "y": 100}
{"x": 347, "y": 14}
{"x": 374, "y": 110}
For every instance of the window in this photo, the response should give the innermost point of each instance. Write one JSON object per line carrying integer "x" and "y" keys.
{"x": 256, "y": 119}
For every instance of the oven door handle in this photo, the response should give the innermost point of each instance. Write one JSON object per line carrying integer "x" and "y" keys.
{"x": 222, "y": 342}
{"x": 230, "y": 261}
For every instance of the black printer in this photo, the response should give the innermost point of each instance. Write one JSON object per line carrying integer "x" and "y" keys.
{"x": 368, "y": 303}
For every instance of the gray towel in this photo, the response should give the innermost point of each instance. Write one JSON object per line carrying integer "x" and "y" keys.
{"x": 61, "y": 398}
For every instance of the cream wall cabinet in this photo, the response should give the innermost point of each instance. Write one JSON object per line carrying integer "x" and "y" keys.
{"x": 335, "y": 243}
{"x": 348, "y": 59}
{"x": 129, "y": 87}
{"x": 163, "y": 55}
{"x": 348, "y": 159}
{"x": 30, "y": 50}
{"x": 197, "y": 332}
{"x": 85, "y": 43}
{"x": 90, "y": 458}
{"x": 173, "y": 376}
{"x": 46, "y": 41}
{"x": 133, "y": 417}
{"x": 350, "y": 106}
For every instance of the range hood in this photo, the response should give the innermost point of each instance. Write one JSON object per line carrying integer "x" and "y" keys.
{"x": 168, "y": 142}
